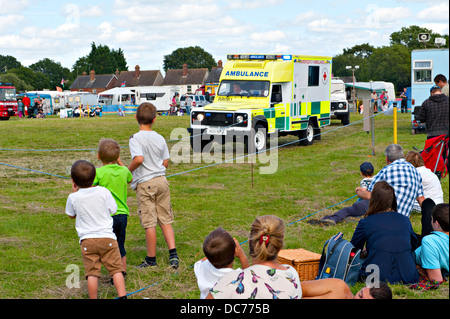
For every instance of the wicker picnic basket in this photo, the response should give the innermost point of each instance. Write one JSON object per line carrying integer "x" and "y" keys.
{"x": 305, "y": 262}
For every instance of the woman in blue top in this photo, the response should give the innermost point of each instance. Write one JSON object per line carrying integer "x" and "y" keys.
{"x": 389, "y": 239}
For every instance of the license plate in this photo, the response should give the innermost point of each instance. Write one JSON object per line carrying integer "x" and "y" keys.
{"x": 216, "y": 131}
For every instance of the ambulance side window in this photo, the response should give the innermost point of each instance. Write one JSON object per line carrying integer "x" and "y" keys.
{"x": 276, "y": 95}
{"x": 313, "y": 76}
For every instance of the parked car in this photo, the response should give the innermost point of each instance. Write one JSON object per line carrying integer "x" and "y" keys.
{"x": 197, "y": 101}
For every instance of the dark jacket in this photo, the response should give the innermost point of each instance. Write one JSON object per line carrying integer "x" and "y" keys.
{"x": 390, "y": 242}
{"x": 434, "y": 112}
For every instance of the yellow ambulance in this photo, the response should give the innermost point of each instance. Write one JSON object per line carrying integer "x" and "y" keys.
{"x": 260, "y": 95}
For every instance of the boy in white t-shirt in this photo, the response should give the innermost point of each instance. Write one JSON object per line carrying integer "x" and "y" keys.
{"x": 220, "y": 250}
{"x": 150, "y": 156}
{"x": 92, "y": 208}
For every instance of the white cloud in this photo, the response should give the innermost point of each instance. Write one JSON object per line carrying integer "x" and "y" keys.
{"x": 12, "y": 7}
{"x": 253, "y": 4}
{"x": 438, "y": 13}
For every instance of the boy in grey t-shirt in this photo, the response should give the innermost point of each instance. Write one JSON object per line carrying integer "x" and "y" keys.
{"x": 150, "y": 159}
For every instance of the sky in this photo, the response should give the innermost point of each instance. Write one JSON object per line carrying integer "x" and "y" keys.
{"x": 147, "y": 30}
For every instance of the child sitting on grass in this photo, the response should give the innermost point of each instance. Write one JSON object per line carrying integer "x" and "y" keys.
{"x": 220, "y": 250}
{"x": 92, "y": 208}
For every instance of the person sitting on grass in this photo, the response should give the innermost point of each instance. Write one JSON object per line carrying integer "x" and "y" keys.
{"x": 266, "y": 278}
{"x": 433, "y": 255}
{"x": 220, "y": 250}
{"x": 358, "y": 209}
{"x": 388, "y": 238}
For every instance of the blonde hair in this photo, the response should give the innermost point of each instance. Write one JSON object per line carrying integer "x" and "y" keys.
{"x": 266, "y": 237}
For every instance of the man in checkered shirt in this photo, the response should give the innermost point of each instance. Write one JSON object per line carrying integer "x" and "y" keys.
{"x": 402, "y": 176}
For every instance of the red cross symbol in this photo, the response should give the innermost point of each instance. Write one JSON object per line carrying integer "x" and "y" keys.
{"x": 325, "y": 76}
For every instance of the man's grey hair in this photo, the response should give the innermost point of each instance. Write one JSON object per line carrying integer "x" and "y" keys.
{"x": 394, "y": 152}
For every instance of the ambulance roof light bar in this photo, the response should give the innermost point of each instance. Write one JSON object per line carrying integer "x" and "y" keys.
{"x": 259, "y": 57}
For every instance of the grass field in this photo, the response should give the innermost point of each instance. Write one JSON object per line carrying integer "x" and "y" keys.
{"x": 38, "y": 241}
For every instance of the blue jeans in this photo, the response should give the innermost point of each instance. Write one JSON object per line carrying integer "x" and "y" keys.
{"x": 357, "y": 209}
{"x": 119, "y": 227}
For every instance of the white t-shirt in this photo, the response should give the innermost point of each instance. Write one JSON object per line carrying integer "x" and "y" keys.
{"x": 93, "y": 208}
{"x": 153, "y": 148}
{"x": 207, "y": 276}
{"x": 431, "y": 187}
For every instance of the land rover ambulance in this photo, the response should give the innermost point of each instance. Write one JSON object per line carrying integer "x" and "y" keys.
{"x": 260, "y": 95}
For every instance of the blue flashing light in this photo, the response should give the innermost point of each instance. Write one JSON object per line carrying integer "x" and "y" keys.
{"x": 208, "y": 114}
{"x": 229, "y": 115}
{"x": 287, "y": 57}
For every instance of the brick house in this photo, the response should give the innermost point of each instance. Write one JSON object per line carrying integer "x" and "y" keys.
{"x": 138, "y": 78}
{"x": 93, "y": 83}
{"x": 187, "y": 80}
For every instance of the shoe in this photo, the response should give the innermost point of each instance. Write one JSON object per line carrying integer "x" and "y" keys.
{"x": 321, "y": 222}
{"x": 146, "y": 264}
{"x": 174, "y": 262}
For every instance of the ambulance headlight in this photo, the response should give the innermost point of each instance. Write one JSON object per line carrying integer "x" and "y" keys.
{"x": 200, "y": 117}
{"x": 239, "y": 119}
{"x": 341, "y": 105}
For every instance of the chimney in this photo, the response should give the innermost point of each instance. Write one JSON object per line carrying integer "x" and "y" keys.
{"x": 92, "y": 75}
{"x": 219, "y": 64}
{"x": 117, "y": 73}
{"x": 137, "y": 72}
{"x": 185, "y": 70}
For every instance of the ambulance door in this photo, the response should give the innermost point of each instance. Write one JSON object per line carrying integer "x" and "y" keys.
{"x": 280, "y": 101}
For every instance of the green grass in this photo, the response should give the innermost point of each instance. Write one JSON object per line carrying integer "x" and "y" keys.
{"x": 38, "y": 241}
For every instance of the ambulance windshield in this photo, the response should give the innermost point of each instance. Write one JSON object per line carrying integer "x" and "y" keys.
{"x": 244, "y": 88}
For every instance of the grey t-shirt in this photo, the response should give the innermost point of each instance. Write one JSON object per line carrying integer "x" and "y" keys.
{"x": 153, "y": 148}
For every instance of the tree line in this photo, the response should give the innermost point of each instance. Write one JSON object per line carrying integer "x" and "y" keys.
{"x": 387, "y": 63}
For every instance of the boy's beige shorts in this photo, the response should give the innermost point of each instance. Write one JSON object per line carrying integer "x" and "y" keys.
{"x": 98, "y": 251}
{"x": 153, "y": 199}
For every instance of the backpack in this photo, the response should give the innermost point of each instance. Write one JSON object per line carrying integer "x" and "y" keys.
{"x": 340, "y": 259}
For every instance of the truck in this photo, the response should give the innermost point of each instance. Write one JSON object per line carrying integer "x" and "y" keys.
{"x": 8, "y": 101}
{"x": 425, "y": 65}
{"x": 261, "y": 95}
{"x": 339, "y": 103}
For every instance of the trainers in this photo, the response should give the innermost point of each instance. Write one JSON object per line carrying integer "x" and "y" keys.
{"x": 174, "y": 262}
{"x": 321, "y": 222}
{"x": 146, "y": 264}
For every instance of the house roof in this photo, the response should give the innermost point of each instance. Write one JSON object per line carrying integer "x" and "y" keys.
{"x": 145, "y": 78}
{"x": 194, "y": 76}
{"x": 84, "y": 81}
{"x": 214, "y": 75}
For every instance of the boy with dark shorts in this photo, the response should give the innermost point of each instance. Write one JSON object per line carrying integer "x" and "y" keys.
{"x": 114, "y": 176}
{"x": 150, "y": 159}
{"x": 92, "y": 208}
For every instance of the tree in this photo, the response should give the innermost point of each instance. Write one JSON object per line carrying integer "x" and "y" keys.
{"x": 8, "y": 62}
{"x": 18, "y": 83}
{"x": 392, "y": 64}
{"x": 408, "y": 36}
{"x": 102, "y": 59}
{"x": 194, "y": 57}
{"x": 35, "y": 79}
{"x": 53, "y": 70}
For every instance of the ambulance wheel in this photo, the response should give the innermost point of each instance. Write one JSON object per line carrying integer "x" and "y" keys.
{"x": 306, "y": 137}
{"x": 258, "y": 141}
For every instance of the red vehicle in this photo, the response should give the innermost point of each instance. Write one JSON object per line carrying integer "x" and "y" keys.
{"x": 8, "y": 101}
